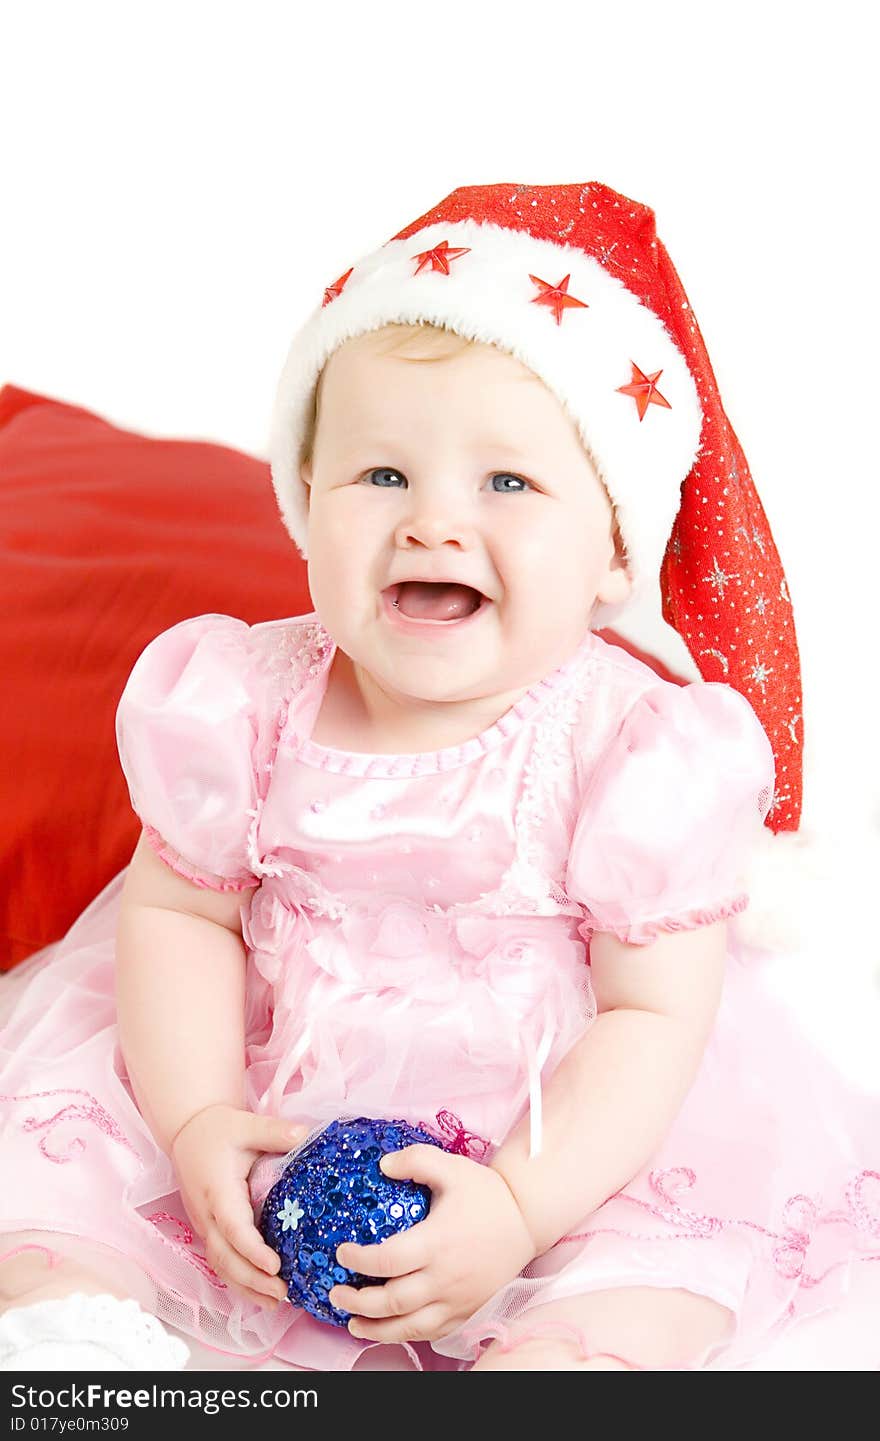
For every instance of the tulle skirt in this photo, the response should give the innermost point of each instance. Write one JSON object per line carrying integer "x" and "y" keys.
{"x": 764, "y": 1195}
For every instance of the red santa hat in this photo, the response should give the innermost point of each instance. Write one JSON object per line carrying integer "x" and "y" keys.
{"x": 573, "y": 282}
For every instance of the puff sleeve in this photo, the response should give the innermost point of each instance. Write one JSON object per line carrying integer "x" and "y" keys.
{"x": 671, "y": 813}
{"x": 187, "y": 732}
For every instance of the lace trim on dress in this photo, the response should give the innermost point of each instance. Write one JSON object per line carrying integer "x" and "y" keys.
{"x": 292, "y": 655}
{"x": 643, "y": 933}
{"x": 205, "y": 879}
{"x": 119, "y": 1328}
{"x": 300, "y": 650}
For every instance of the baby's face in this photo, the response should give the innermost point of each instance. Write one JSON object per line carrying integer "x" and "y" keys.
{"x": 465, "y": 469}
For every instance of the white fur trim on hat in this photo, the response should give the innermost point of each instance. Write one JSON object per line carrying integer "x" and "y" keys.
{"x": 487, "y": 296}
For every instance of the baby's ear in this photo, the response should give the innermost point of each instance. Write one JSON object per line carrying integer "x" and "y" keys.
{"x": 616, "y": 584}
{"x": 305, "y": 471}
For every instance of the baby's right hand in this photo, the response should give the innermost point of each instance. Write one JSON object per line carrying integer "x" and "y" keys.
{"x": 212, "y": 1154}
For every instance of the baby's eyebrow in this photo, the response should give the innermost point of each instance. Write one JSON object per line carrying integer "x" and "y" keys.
{"x": 484, "y": 446}
{"x": 501, "y": 447}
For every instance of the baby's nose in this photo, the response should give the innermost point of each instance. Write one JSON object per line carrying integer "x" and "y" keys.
{"x": 434, "y": 527}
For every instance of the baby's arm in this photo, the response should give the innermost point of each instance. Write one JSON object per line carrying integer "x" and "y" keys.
{"x": 180, "y": 966}
{"x": 614, "y": 1096}
{"x": 181, "y": 1003}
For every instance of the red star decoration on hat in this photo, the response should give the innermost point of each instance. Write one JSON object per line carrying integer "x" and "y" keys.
{"x": 644, "y": 390}
{"x": 439, "y": 257}
{"x": 335, "y": 289}
{"x": 556, "y": 296}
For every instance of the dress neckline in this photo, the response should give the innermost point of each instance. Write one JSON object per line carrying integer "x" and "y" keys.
{"x": 408, "y": 763}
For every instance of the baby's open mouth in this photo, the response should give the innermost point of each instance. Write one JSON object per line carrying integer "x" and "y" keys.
{"x": 434, "y": 600}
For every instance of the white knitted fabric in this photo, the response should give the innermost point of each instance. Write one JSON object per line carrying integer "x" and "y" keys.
{"x": 87, "y": 1333}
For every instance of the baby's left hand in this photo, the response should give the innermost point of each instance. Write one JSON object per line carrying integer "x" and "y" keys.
{"x": 444, "y": 1268}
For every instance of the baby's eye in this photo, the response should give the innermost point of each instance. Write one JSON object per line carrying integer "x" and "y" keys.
{"x": 384, "y": 470}
{"x": 505, "y": 475}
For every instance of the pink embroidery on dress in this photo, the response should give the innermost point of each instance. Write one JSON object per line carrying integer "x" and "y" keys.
{"x": 799, "y": 1216}
{"x": 54, "y": 1257}
{"x": 185, "y": 1237}
{"x": 867, "y": 1214}
{"x": 91, "y": 1111}
{"x": 801, "y": 1219}
{"x": 668, "y": 1185}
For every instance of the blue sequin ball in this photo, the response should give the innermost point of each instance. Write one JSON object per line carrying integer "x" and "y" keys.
{"x": 333, "y": 1191}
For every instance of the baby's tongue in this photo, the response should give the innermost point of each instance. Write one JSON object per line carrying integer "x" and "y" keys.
{"x": 436, "y": 600}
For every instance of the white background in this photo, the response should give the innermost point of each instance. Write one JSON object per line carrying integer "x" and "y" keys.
{"x": 180, "y": 181}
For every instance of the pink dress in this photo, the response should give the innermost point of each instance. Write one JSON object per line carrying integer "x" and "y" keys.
{"x": 419, "y": 944}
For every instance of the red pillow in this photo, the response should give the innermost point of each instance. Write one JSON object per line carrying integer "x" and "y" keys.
{"x": 108, "y": 538}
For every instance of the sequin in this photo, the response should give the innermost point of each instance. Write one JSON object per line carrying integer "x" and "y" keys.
{"x": 290, "y": 1214}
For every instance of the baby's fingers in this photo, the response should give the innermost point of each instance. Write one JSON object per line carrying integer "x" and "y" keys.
{"x": 270, "y": 1133}
{"x": 236, "y": 1222}
{"x": 395, "y": 1256}
{"x": 257, "y": 1264}
{"x": 396, "y": 1298}
{"x": 244, "y": 1277}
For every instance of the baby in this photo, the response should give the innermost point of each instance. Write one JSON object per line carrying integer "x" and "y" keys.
{"x": 439, "y": 851}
